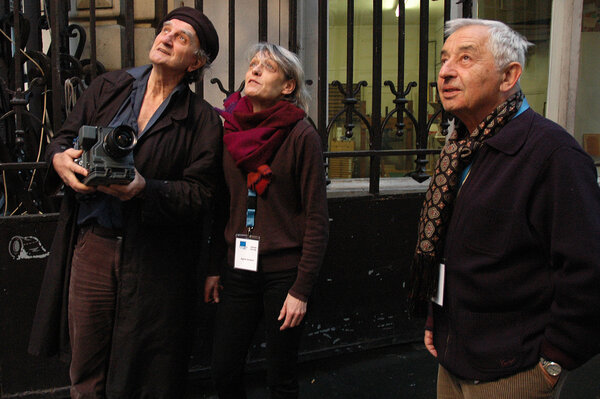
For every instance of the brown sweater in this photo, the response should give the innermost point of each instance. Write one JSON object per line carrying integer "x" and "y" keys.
{"x": 292, "y": 219}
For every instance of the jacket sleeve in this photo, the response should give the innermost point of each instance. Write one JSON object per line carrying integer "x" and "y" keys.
{"x": 313, "y": 191}
{"x": 566, "y": 212}
{"x": 185, "y": 200}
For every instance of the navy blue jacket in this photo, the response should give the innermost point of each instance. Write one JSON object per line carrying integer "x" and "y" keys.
{"x": 522, "y": 256}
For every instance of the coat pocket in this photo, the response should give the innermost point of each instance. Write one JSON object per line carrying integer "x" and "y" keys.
{"x": 493, "y": 341}
{"x": 488, "y": 230}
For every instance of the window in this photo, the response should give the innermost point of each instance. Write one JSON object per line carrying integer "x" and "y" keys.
{"x": 361, "y": 69}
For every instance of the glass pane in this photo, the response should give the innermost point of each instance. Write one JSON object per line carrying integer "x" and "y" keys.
{"x": 337, "y": 71}
{"x": 587, "y": 118}
{"x": 532, "y": 19}
{"x": 391, "y": 166}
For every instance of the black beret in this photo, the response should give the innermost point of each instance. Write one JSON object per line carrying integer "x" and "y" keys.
{"x": 209, "y": 41}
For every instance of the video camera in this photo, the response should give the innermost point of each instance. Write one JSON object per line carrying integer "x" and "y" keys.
{"x": 107, "y": 154}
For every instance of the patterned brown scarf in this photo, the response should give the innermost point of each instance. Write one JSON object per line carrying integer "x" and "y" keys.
{"x": 443, "y": 189}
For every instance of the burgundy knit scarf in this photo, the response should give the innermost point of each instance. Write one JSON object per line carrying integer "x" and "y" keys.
{"x": 253, "y": 138}
{"x": 443, "y": 190}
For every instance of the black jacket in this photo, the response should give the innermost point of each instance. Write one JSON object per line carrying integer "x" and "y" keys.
{"x": 180, "y": 158}
{"x": 522, "y": 256}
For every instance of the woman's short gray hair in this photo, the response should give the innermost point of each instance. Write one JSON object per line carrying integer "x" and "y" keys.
{"x": 291, "y": 68}
{"x": 506, "y": 44}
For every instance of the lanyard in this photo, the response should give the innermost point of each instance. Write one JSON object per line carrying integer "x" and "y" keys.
{"x": 250, "y": 210}
{"x": 464, "y": 174}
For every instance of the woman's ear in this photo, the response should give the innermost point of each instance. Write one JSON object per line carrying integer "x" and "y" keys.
{"x": 288, "y": 87}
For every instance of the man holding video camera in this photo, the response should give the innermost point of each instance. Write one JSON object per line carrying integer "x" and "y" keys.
{"x": 123, "y": 263}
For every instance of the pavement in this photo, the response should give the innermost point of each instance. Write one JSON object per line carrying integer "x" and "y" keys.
{"x": 394, "y": 372}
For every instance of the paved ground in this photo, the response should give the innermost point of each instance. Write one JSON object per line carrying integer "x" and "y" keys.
{"x": 396, "y": 372}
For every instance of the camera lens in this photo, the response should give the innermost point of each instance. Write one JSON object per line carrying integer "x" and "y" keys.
{"x": 120, "y": 141}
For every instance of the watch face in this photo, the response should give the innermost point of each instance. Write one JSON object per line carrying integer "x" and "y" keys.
{"x": 553, "y": 369}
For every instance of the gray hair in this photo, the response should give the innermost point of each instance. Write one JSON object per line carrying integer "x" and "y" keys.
{"x": 197, "y": 75}
{"x": 506, "y": 44}
{"x": 290, "y": 66}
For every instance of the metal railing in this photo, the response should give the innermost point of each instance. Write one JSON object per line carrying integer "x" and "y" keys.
{"x": 34, "y": 105}
{"x": 375, "y": 127}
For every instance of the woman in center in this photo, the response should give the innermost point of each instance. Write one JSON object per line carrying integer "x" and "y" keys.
{"x": 277, "y": 224}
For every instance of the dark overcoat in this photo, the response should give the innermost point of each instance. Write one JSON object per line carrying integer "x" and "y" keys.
{"x": 522, "y": 256}
{"x": 180, "y": 158}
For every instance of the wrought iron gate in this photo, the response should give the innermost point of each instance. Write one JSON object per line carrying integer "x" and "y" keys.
{"x": 37, "y": 92}
{"x": 38, "y": 89}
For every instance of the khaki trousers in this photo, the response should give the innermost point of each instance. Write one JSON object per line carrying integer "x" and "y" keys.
{"x": 529, "y": 384}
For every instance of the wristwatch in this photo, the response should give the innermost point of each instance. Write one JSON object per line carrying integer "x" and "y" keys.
{"x": 552, "y": 368}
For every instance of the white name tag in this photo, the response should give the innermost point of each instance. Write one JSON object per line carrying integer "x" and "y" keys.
{"x": 439, "y": 297}
{"x": 246, "y": 252}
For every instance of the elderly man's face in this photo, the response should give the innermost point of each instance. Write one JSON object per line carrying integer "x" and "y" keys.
{"x": 175, "y": 47}
{"x": 469, "y": 80}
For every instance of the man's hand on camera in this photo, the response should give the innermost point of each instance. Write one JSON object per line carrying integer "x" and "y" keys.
{"x": 125, "y": 192}
{"x": 64, "y": 164}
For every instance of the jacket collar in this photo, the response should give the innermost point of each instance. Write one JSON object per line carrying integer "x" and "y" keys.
{"x": 511, "y": 137}
{"x": 174, "y": 113}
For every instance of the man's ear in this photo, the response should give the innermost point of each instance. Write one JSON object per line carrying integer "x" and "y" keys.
{"x": 510, "y": 76}
{"x": 199, "y": 63}
{"x": 288, "y": 87}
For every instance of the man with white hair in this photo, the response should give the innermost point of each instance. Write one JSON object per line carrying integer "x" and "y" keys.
{"x": 508, "y": 246}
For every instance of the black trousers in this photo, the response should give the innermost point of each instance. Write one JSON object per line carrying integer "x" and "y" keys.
{"x": 247, "y": 298}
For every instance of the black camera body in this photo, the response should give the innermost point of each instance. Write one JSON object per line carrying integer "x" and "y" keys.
{"x": 107, "y": 154}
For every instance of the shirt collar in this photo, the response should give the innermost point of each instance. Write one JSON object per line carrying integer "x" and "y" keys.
{"x": 142, "y": 73}
{"x": 512, "y": 136}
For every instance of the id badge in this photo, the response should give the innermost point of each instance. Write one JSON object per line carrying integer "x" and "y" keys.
{"x": 246, "y": 252}
{"x": 439, "y": 296}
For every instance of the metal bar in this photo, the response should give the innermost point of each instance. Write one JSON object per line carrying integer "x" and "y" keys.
{"x": 23, "y": 165}
{"x": 63, "y": 10}
{"x": 5, "y": 45}
{"x": 376, "y": 137}
{"x": 17, "y": 56}
{"x": 161, "y": 7}
{"x": 349, "y": 66}
{"x": 18, "y": 100}
{"x": 93, "y": 56}
{"x": 128, "y": 58}
{"x": 57, "y": 97}
{"x": 33, "y": 14}
{"x": 423, "y": 73}
{"x": 383, "y": 153}
{"x": 231, "y": 46}
{"x": 293, "y": 26}
{"x": 199, "y": 86}
{"x": 262, "y": 20}
{"x": 420, "y": 173}
{"x": 467, "y": 8}
{"x": 401, "y": 44}
{"x": 322, "y": 86}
